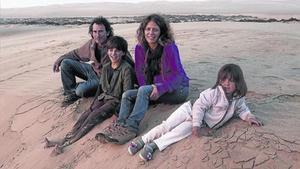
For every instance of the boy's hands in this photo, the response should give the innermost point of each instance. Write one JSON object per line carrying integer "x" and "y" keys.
{"x": 114, "y": 118}
{"x": 254, "y": 121}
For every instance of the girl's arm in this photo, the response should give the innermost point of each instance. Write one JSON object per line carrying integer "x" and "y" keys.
{"x": 202, "y": 104}
{"x": 244, "y": 113}
{"x": 254, "y": 121}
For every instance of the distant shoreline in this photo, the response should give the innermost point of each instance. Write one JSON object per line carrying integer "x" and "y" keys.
{"x": 137, "y": 19}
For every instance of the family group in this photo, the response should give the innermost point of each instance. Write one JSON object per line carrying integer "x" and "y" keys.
{"x": 124, "y": 87}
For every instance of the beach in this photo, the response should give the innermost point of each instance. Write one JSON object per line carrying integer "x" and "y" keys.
{"x": 268, "y": 53}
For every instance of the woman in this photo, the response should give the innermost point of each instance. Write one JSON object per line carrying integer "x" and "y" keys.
{"x": 160, "y": 75}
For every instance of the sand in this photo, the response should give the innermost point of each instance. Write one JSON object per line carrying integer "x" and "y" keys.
{"x": 269, "y": 54}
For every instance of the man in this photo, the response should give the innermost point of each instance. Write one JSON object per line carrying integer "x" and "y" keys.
{"x": 73, "y": 64}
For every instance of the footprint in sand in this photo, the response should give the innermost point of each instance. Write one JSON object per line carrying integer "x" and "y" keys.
{"x": 296, "y": 72}
{"x": 238, "y": 59}
{"x": 65, "y": 43}
{"x": 287, "y": 98}
{"x": 23, "y": 65}
{"x": 273, "y": 78}
{"x": 267, "y": 66}
{"x": 203, "y": 62}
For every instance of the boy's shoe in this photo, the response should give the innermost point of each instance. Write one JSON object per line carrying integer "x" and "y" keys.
{"x": 135, "y": 146}
{"x": 70, "y": 99}
{"x": 146, "y": 153}
{"x": 103, "y": 135}
{"x": 121, "y": 134}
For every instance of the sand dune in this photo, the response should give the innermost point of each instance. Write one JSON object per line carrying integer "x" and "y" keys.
{"x": 267, "y": 52}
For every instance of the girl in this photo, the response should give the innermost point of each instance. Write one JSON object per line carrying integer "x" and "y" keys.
{"x": 160, "y": 76}
{"x": 117, "y": 77}
{"x": 214, "y": 107}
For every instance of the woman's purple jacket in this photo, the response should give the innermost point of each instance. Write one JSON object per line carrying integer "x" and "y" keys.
{"x": 172, "y": 75}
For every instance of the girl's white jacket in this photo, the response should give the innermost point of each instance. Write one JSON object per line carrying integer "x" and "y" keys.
{"x": 213, "y": 107}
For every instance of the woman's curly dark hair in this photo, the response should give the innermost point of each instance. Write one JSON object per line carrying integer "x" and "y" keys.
{"x": 166, "y": 34}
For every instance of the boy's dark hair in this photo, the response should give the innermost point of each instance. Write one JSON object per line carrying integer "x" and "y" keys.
{"x": 117, "y": 42}
{"x": 234, "y": 73}
{"x": 121, "y": 44}
{"x": 101, "y": 20}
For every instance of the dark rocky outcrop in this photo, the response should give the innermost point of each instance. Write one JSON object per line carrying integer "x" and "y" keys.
{"x": 137, "y": 19}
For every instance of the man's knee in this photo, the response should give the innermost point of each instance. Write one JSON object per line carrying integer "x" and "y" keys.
{"x": 86, "y": 89}
{"x": 79, "y": 92}
{"x": 67, "y": 63}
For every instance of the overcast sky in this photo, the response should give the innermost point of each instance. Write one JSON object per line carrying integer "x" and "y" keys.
{"x": 29, "y": 3}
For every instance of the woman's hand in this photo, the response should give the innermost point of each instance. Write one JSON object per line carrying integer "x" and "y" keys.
{"x": 254, "y": 121}
{"x": 154, "y": 94}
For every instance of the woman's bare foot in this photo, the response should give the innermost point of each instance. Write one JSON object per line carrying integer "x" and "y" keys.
{"x": 57, "y": 150}
{"x": 49, "y": 143}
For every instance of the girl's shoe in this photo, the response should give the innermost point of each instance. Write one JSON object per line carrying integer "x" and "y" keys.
{"x": 135, "y": 146}
{"x": 146, "y": 153}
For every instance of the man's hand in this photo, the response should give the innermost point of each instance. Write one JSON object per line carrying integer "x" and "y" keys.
{"x": 154, "y": 94}
{"x": 56, "y": 67}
